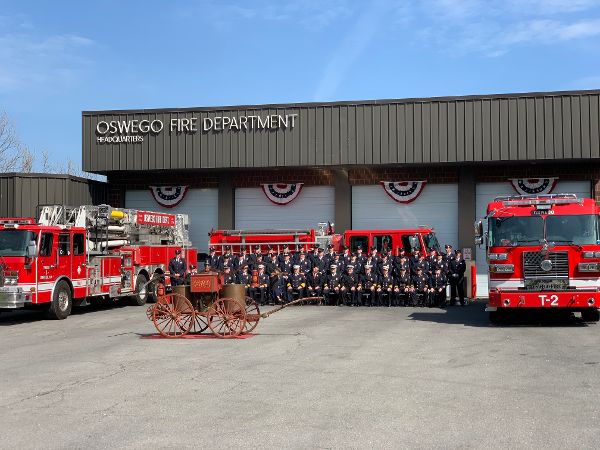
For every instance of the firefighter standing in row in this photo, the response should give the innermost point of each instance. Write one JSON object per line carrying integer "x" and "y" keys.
{"x": 177, "y": 269}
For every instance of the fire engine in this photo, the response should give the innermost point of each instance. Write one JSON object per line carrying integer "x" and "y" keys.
{"x": 543, "y": 253}
{"x": 422, "y": 238}
{"x": 70, "y": 256}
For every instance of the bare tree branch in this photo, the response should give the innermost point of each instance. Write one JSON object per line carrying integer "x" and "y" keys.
{"x": 9, "y": 145}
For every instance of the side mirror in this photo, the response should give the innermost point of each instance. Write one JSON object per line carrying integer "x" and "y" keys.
{"x": 31, "y": 251}
{"x": 478, "y": 240}
{"x": 478, "y": 226}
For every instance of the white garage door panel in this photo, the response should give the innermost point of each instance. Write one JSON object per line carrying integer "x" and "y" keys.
{"x": 485, "y": 193}
{"x": 253, "y": 210}
{"x": 201, "y": 205}
{"x": 437, "y": 207}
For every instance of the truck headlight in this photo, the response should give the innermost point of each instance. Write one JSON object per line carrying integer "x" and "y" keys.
{"x": 502, "y": 268}
{"x": 498, "y": 256}
{"x": 589, "y": 267}
{"x": 591, "y": 254}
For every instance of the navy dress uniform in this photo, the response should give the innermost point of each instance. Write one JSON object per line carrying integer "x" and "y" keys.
{"x": 177, "y": 269}
{"x": 386, "y": 287}
{"x": 278, "y": 288}
{"x": 421, "y": 284}
{"x": 228, "y": 276}
{"x": 244, "y": 277}
{"x": 314, "y": 283}
{"x": 295, "y": 284}
{"x": 332, "y": 286}
{"x": 214, "y": 261}
{"x": 304, "y": 263}
{"x": 321, "y": 262}
{"x": 350, "y": 285}
{"x": 438, "y": 284}
{"x": 404, "y": 287}
{"x": 286, "y": 265}
{"x": 457, "y": 268}
{"x": 369, "y": 284}
{"x": 449, "y": 254}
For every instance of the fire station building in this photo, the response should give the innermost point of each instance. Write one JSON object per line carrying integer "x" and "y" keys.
{"x": 360, "y": 164}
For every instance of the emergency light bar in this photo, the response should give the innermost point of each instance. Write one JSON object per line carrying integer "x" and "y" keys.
{"x": 547, "y": 199}
{"x": 17, "y": 221}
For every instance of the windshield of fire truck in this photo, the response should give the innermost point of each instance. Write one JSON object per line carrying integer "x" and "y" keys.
{"x": 513, "y": 231}
{"x": 14, "y": 242}
{"x": 572, "y": 229}
{"x": 431, "y": 242}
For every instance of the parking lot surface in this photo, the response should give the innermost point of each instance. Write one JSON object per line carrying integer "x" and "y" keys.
{"x": 313, "y": 377}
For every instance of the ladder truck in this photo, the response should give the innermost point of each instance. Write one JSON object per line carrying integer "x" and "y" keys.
{"x": 71, "y": 255}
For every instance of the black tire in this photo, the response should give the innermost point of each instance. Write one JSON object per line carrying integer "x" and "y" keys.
{"x": 141, "y": 291}
{"x": 62, "y": 302}
{"x": 590, "y": 315}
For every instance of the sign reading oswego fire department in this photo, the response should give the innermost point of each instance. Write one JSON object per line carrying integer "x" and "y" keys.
{"x": 132, "y": 131}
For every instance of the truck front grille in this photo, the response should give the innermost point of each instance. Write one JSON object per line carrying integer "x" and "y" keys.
{"x": 532, "y": 262}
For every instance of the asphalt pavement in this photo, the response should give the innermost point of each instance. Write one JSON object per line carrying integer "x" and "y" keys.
{"x": 313, "y": 377}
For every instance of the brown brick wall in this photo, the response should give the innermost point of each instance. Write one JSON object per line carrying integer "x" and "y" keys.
{"x": 308, "y": 176}
{"x": 373, "y": 175}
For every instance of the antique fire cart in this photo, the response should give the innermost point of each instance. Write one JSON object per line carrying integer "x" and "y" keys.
{"x": 207, "y": 304}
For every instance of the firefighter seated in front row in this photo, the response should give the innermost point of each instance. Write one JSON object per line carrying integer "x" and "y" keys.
{"x": 352, "y": 289}
{"x": 244, "y": 277}
{"x": 405, "y": 287}
{"x": 228, "y": 276}
{"x": 385, "y": 290}
{"x": 421, "y": 284}
{"x": 332, "y": 286}
{"x": 295, "y": 284}
{"x": 261, "y": 291}
{"x": 369, "y": 285}
{"x": 278, "y": 287}
{"x": 314, "y": 283}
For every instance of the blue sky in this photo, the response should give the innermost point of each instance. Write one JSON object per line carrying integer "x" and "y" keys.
{"x": 59, "y": 58}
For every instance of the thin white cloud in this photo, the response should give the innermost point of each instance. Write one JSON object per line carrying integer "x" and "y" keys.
{"x": 354, "y": 43}
{"x": 26, "y": 60}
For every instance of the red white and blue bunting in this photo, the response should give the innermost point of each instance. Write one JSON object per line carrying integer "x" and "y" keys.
{"x": 282, "y": 194}
{"x": 531, "y": 186}
{"x": 168, "y": 196}
{"x": 403, "y": 191}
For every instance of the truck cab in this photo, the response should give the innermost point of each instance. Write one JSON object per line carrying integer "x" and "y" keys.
{"x": 423, "y": 239}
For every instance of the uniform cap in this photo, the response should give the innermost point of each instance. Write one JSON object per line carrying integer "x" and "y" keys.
{"x": 228, "y": 247}
{"x": 226, "y": 267}
{"x": 287, "y": 255}
{"x": 211, "y": 249}
{"x": 178, "y": 252}
{"x": 368, "y": 266}
{"x": 403, "y": 268}
{"x": 261, "y": 266}
{"x": 257, "y": 247}
{"x": 333, "y": 266}
{"x": 330, "y": 246}
{"x": 448, "y": 246}
{"x": 373, "y": 248}
{"x": 296, "y": 266}
{"x": 359, "y": 248}
{"x": 286, "y": 246}
{"x": 320, "y": 250}
{"x": 350, "y": 266}
{"x": 386, "y": 267}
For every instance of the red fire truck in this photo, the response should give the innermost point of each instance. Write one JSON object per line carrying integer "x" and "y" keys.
{"x": 543, "y": 252}
{"x": 72, "y": 255}
{"x": 422, "y": 238}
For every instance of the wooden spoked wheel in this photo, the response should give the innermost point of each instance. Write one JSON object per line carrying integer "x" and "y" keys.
{"x": 227, "y": 318}
{"x": 173, "y": 315}
{"x": 252, "y": 315}
{"x": 200, "y": 323}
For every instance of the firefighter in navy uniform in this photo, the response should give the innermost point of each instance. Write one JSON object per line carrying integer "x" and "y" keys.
{"x": 261, "y": 291}
{"x": 385, "y": 290}
{"x": 177, "y": 269}
{"x": 286, "y": 265}
{"x": 304, "y": 263}
{"x": 253, "y": 257}
{"x": 278, "y": 287}
{"x": 438, "y": 285}
{"x": 282, "y": 255}
{"x": 240, "y": 261}
{"x": 414, "y": 261}
{"x": 449, "y": 254}
{"x": 369, "y": 285}
{"x": 244, "y": 277}
{"x": 405, "y": 287}
{"x": 350, "y": 286}
{"x": 213, "y": 260}
{"x": 359, "y": 267}
{"x": 321, "y": 262}
{"x": 346, "y": 255}
{"x": 331, "y": 288}
{"x": 295, "y": 284}
{"x": 421, "y": 284}
{"x": 314, "y": 283}
{"x": 439, "y": 262}
{"x": 360, "y": 256}
{"x": 228, "y": 276}
{"x": 456, "y": 269}
{"x": 272, "y": 264}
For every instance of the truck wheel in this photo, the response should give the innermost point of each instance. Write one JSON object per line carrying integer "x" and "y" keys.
{"x": 62, "y": 302}
{"x": 141, "y": 291}
{"x": 590, "y": 315}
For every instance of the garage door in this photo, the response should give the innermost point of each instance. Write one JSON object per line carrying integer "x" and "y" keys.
{"x": 253, "y": 210}
{"x": 436, "y": 207}
{"x": 199, "y": 204}
{"x": 485, "y": 193}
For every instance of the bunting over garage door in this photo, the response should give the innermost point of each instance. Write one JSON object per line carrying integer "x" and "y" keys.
{"x": 199, "y": 204}
{"x": 253, "y": 210}
{"x": 436, "y": 207}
